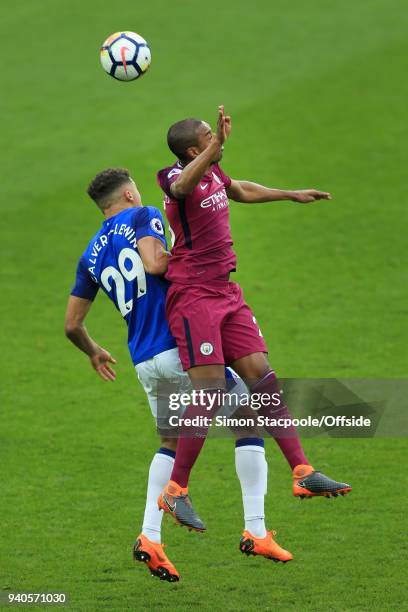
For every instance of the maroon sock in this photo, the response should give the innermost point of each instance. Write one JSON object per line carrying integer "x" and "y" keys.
{"x": 287, "y": 438}
{"x": 191, "y": 439}
{"x": 187, "y": 452}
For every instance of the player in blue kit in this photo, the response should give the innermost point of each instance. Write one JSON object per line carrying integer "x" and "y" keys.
{"x": 126, "y": 259}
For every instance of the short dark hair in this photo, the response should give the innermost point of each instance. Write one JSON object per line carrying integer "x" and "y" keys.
{"x": 105, "y": 183}
{"x": 183, "y": 135}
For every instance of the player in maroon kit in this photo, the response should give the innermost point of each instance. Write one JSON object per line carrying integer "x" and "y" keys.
{"x": 207, "y": 313}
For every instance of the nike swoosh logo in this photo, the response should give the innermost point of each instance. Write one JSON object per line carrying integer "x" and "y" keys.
{"x": 170, "y": 507}
{"x": 123, "y": 56}
{"x": 204, "y": 186}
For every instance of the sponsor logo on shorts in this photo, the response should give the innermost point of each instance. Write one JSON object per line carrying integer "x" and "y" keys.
{"x": 206, "y": 348}
{"x": 157, "y": 226}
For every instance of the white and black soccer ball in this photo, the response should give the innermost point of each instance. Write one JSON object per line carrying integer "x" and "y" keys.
{"x": 125, "y": 56}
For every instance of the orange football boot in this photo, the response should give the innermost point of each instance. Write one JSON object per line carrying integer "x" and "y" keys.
{"x": 307, "y": 483}
{"x": 175, "y": 501}
{"x": 155, "y": 558}
{"x": 266, "y": 547}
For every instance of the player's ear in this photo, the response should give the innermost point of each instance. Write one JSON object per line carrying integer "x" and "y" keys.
{"x": 192, "y": 152}
{"x": 128, "y": 195}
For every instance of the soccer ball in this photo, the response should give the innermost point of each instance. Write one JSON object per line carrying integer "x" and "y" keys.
{"x": 125, "y": 56}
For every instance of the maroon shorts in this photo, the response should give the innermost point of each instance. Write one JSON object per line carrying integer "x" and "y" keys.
{"x": 212, "y": 324}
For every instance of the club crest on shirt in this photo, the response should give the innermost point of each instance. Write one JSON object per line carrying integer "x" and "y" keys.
{"x": 157, "y": 226}
{"x": 206, "y": 348}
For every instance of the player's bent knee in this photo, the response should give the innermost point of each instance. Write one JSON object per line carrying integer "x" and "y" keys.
{"x": 267, "y": 383}
{"x": 207, "y": 377}
{"x": 252, "y": 367}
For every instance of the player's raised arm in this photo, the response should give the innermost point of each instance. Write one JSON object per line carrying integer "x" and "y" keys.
{"x": 205, "y": 149}
{"x": 251, "y": 193}
{"x": 76, "y": 331}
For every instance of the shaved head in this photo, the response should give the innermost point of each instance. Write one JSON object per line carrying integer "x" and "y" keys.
{"x": 183, "y": 135}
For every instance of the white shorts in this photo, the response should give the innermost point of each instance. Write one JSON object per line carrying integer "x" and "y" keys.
{"x": 156, "y": 372}
{"x": 163, "y": 372}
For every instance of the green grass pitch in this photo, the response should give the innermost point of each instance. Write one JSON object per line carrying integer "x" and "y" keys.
{"x": 317, "y": 92}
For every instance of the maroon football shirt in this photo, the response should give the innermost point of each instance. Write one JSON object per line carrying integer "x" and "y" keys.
{"x": 200, "y": 227}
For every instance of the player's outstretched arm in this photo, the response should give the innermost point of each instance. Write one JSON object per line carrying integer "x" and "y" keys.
{"x": 192, "y": 174}
{"x": 251, "y": 193}
{"x": 76, "y": 331}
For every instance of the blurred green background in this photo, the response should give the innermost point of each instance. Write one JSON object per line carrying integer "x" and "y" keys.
{"x": 317, "y": 93}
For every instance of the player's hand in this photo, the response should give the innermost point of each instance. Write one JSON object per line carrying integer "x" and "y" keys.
{"x": 304, "y": 196}
{"x": 100, "y": 361}
{"x": 227, "y": 124}
{"x": 223, "y": 126}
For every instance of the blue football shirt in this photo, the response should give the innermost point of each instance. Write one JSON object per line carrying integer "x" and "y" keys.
{"x": 112, "y": 262}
